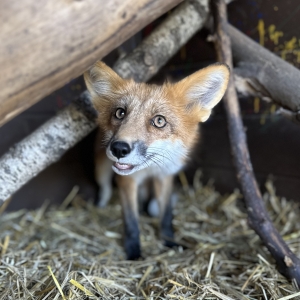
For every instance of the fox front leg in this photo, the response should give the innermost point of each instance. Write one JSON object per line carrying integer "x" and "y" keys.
{"x": 163, "y": 190}
{"x": 104, "y": 176}
{"x": 128, "y": 190}
{"x": 103, "y": 171}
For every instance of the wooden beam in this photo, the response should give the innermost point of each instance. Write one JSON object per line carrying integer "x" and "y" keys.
{"x": 48, "y": 143}
{"x": 260, "y": 72}
{"x": 45, "y": 44}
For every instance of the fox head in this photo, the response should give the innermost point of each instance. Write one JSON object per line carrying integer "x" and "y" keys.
{"x": 148, "y": 125}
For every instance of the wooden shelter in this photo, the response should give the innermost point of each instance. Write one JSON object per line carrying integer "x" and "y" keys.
{"x": 46, "y": 45}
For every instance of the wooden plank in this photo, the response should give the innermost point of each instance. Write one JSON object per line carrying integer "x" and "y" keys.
{"x": 45, "y": 44}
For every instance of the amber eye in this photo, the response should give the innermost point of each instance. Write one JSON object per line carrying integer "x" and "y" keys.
{"x": 120, "y": 113}
{"x": 159, "y": 121}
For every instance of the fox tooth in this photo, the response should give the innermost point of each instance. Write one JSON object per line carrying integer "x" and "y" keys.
{"x": 123, "y": 166}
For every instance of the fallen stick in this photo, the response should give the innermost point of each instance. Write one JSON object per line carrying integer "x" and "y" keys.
{"x": 288, "y": 264}
{"x": 48, "y": 143}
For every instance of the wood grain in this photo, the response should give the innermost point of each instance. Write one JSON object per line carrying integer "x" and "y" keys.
{"x": 45, "y": 44}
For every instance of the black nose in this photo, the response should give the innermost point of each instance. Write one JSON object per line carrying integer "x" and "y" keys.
{"x": 120, "y": 149}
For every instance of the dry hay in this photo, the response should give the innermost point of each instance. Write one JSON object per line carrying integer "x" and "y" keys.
{"x": 77, "y": 253}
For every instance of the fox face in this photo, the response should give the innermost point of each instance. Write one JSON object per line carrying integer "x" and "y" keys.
{"x": 148, "y": 132}
{"x": 150, "y": 126}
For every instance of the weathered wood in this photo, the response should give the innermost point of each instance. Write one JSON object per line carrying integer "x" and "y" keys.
{"x": 263, "y": 73}
{"x": 47, "y": 144}
{"x": 154, "y": 52}
{"x": 287, "y": 262}
{"x": 46, "y": 44}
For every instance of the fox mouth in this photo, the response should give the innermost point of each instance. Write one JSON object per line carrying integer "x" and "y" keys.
{"x": 123, "y": 167}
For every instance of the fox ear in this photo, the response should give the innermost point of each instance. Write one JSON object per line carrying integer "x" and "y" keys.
{"x": 205, "y": 88}
{"x": 101, "y": 80}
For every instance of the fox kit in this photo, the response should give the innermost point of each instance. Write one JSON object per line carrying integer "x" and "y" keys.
{"x": 148, "y": 133}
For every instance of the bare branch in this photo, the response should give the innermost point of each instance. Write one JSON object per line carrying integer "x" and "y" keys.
{"x": 287, "y": 263}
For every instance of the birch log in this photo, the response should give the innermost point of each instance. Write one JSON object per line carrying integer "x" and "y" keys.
{"x": 45, "y": 44}
{"x": 155, "y": 51}
{"x": 47, "y": 144}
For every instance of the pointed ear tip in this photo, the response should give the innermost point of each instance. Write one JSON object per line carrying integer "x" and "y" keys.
{"x": 204, "y": 119}
{"x": 226, "y": 69}
{"x": 95, "y": 66}
{"x": 99, "y": 68}
{"x": 222, "y": 67}
{"x": 221, "y": 70}
{"x": 100, "y": 63}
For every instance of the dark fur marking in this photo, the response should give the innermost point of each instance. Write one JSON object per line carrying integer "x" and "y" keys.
{"x": 142, "y": 148}
{"x": 131, "y": 235}
{"x": 167, "y": 231}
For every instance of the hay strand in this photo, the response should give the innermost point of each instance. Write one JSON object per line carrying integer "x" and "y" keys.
{"x": 81, "y": 247}
{"x": 56, "y": 283}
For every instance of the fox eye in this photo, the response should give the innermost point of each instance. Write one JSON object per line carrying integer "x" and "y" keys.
{"x": 120, "y": 113}
{"x": 159, "y": 121}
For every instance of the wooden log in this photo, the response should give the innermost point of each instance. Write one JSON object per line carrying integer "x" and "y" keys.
{"x": 154, "y": 52}
{"x": 46, "y": 44}
{"x": 47, "y": 144}
{"x": 262, "y": 73}
{"x": 258, "y": 218}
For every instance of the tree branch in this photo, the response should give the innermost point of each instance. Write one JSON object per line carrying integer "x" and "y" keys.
{"x": 287, "y": 263}
{"x": 47, "y": 144}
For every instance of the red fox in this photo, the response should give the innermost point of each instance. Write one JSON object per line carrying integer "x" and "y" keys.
{"x": 148, "y": 133}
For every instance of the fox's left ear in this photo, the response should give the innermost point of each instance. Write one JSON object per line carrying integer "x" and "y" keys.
{"x": 101, "y": 80}
{"x": 205, "y": 88}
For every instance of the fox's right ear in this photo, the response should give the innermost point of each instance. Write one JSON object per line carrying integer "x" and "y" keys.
{"x": 205, "y": 88}
{"x": 101, "y": 80}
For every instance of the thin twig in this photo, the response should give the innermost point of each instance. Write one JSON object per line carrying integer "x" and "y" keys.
{"x": 288, "y": 264}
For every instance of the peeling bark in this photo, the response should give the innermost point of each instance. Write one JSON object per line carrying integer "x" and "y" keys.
{"x": 48, "y": 143}
{"x": 168, "y": 38}
{"x": 287, "y": 262}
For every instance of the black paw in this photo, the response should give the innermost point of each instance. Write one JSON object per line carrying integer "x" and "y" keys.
{"x": 167, "y": 234}
{"x": 171, "y": 244}
{"x": 133, "y": 249}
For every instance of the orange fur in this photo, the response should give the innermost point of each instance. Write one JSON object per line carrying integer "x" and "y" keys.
{"x": 137, "y": 146}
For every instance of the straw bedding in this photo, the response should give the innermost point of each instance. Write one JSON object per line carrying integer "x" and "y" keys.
{"x": 75, "y": 251}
